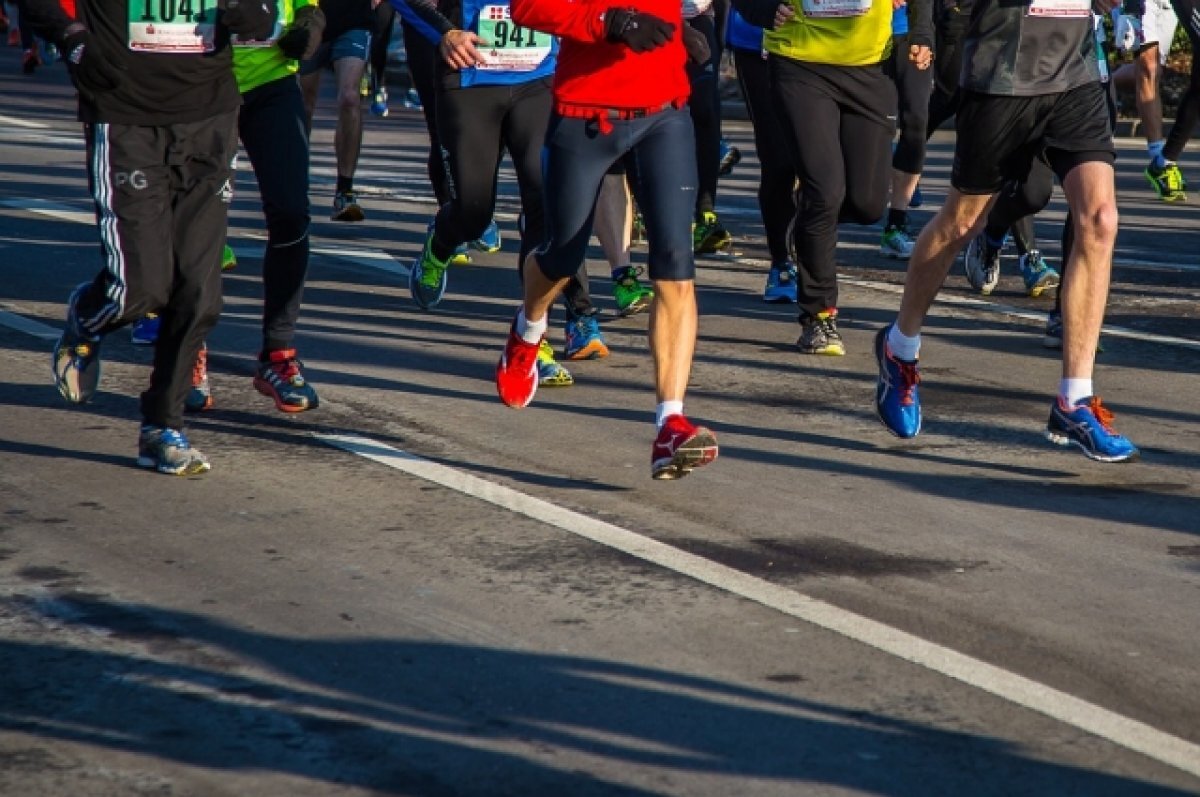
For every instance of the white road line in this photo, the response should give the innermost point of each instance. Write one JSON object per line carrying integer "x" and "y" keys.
{"x": 22, "y": 324}
{"x": 55, "y": 210}
{"x": 16, "y": 121}
{"x": 1027, "y": 693}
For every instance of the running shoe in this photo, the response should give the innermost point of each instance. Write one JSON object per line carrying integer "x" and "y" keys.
{"x": 199, "y": 397}
{"x": 730, "y": 156}
{"x": 490, "y": 240}
{"x": 379, "y": 102}
{"x": 14, "y": 37}
{"x": 346, "y": 207}
{"x": 427, "y": 277}
{"x": 897, "y": 242}
{"x": 1052, "y": 339}
{"x": 982, "y": 265}
{"x": 637, "y": 235}
{"x": 781, "y": 283}
{"x": 517, "y": 372}
{"x": 897, "y": 401}
{"x": 584, "y": 341}
{"x": 1167, "y": 182}
{"x": 550, "y": 372}
{"x": 144, "y": 331}
{"x": 819, "y": 334}
{"x": 708, "y": 236}
{"x": 630, "y": 294}
{"x": 1088, "y": 425}
{"x": 412, "y": 99}
{"x": 279, "y": 376}
{"x": 364, "y": 84}
{"x": 76, "y": 360}
{"x": 1038, "y": 275}
{"x": 228, "y": 258}
{"x": 681, "y": 447}
{"x": 168, "y": 451}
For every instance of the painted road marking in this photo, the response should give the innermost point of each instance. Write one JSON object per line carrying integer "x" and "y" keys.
{"x": 16, "y": 121}
{"x": 1025, "y": 692}
{"x": 30, "y": 327}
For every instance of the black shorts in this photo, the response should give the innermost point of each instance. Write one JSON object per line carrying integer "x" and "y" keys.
{"x": 999, "y": 136}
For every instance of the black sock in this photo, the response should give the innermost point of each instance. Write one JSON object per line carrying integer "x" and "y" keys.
{"x": 344, "y": 184}
{"x": 897, "y": 218}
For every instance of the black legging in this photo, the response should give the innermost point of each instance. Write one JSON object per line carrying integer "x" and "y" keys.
{"x": 381, "y": 37}
{"x": 422, "y": 55}
{"x": 1188, "y": 12}
{"x": 913, "y": 89}
{"x": 1018, "y": 203}
{"x": 777, "y": 175}
{"x": 705, "y": 106}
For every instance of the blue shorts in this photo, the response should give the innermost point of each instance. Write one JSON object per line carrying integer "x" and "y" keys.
{"x": 354, "y": 43}
{"x": 575, "y": 160}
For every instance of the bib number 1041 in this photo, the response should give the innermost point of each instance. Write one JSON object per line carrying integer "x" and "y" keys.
{"x": 175, "y": 11}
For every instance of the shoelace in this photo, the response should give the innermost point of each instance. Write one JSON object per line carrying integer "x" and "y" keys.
{"x": 1174, "y": 177}
{"x": 287, "y": 370}
{"x": 630, "y": 276}
{"x": 1102, "y": 413}
{"x": 200, "y": 368}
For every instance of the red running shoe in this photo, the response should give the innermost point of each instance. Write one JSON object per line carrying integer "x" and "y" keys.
{"x": 517, "y": 373}
{"x": 681, "y": 447}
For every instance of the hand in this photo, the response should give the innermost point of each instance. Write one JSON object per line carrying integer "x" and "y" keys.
{"x": 249, "y": 19}
{"x": 696, "y": 44}
{"x": 921, "y": 56}
{"x": 303, "y": 36}
{"x": 896, "y": 4}
{"x": 458, "y": 49}
{"x": 783, "y": 14}
{"x": 90, "y": 71}
{"x": 638, "y": 31}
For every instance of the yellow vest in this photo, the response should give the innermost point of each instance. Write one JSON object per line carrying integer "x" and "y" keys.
{"x": 841, "y": 41}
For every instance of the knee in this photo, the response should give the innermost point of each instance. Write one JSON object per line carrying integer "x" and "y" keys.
{"x": 863, "y": 209}
{"x": 287, "y": 229}
{"x": 822, "y": 204}
{"x": 349, "y": 102}
{"x": 1097, "y": 224}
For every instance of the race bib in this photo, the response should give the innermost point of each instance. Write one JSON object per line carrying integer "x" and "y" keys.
{"x": 836, "y": 8}
{"x": 508, "y": 47}
{"x": 172, "y": 26}
{"x": 1060, "y": 8}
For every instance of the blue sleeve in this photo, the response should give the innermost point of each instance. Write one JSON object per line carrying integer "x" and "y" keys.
{"x": 425, "y": 19}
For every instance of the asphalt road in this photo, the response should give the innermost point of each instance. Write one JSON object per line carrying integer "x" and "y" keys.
{"x": 416, "y": 591}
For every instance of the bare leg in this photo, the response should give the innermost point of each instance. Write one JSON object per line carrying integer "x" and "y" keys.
{"x": 347, "y": 140}
{"x": 1092, "y": 198}
{"x": 673, "y": 325}
{"x": 1146, "y": 71}
{"x": 613, "y": 224}
{"x": 939, "y": 243}
{"x": 540, "y": 290}
{"x": 903, "y": 186}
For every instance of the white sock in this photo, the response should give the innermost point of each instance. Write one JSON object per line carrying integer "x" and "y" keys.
{"x": 903, "y": 347}
{"x": 531, "y": 331}
{"x": 665, "y": 409}
{"x": 1073, "y": 391}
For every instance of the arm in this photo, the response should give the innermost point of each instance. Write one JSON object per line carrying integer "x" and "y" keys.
{"x": 759, "y": 12}
{"x": 425, "y": 17}
{"x": 920, "y": 22}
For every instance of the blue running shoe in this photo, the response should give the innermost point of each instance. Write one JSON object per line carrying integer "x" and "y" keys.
{"x": 897, "y": 402}
{"x": 144, "y": 331}
{"x": 427, "y": 277}
{"x": 490, "y": 240}
{"x": 781, "y": 283}
{"x": 168, "y": 451}
{"x": 1089, "y": 425}
{"x": 584, "y": 341}
{"x": 76, "y": 358}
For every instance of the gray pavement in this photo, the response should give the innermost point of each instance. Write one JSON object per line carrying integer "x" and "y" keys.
{"x": 467, "y": 619}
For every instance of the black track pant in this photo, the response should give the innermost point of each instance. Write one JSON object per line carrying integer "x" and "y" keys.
{"x": 913, "y": 89}
{"x": 271, "y": 124}
{"x": 1188, "y": 12}
{"x": 840, "y": 136}
{"x": 162, "y": 196}
{"x": 777, "y": 175}
{"x": 704, "y": 103}
{"x": 422, "y": 55}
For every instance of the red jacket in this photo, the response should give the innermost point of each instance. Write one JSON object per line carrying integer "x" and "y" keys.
{"x": 594, "y": 74}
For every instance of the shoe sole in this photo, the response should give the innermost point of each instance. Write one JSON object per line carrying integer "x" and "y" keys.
{"x": 1066, "y": 440}
{"x": 707, "y": 248}
{"x": 893, "y": 254}
{"x": 779, "y": 300}
{"x": 349, "y": 214}
{"x": 266, "y": 389}
{"x": 697, "y": 452}
{"x": 595, "y": 350}
{"x": 636, "y": 306}
{"x": 825, "y": 351}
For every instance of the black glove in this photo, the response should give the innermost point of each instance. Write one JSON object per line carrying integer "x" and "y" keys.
{"x": 303, "y": 36}
{"x": 91, "y": 72}
{"x": 638, "y": 31}
{"x": 249, "y": 19}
